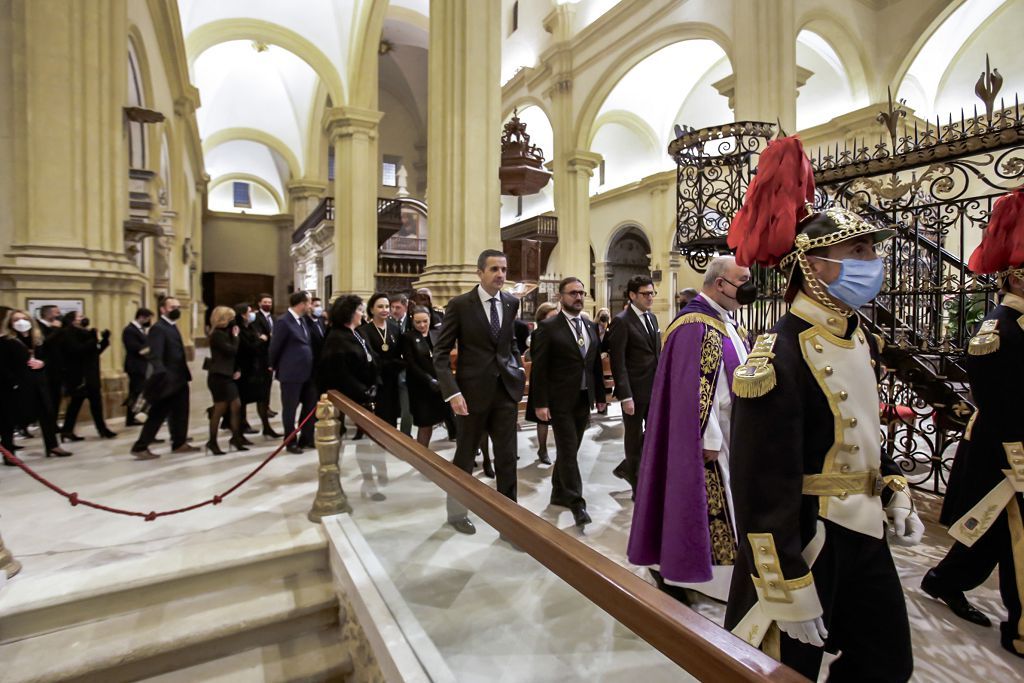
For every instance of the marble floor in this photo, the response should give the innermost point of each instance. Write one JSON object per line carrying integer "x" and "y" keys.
{"x": 493, "y": 613}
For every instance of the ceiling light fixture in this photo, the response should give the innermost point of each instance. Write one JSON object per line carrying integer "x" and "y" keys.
{"x": 260, "y": 46}
{"x": 385, "y": 47}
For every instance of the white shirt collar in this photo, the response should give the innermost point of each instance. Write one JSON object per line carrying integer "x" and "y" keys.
{"x": 298, "y": 318}
{"x": 136, "y": 323}
{"x": 570, "y": 318}
{"x": 640, "y": 314}
{"x": 726, "y": 316}
{"x": 485, "y": 298}
{"x": 169, "y": 321}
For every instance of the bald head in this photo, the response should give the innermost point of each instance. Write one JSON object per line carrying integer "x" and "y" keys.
{"x": 721, "y": 280}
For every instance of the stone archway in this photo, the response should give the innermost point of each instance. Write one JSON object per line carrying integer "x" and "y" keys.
{"x": 629, "y": 254}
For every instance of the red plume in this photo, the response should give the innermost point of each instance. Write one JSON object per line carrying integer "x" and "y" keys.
{"x": 764, "y": 228}
{"x": 1002, "y": 244}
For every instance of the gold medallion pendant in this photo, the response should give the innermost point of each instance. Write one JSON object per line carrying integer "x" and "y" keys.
{"x": 384, "y": 346}
{"x": 580, "y": 341}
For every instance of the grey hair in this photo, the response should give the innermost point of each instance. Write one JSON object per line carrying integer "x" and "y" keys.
{"x": 718, "y": 267}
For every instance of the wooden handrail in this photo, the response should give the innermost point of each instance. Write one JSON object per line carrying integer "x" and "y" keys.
{"x": 692, "y": 641}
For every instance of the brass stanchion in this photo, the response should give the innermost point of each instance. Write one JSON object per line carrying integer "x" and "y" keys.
{"x": 8, "y": 564}
{"x": 330, "y": 498}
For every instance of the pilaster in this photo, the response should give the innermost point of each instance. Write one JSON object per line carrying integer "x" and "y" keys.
{"x": 464, "y": 129}
{"x": 764, "y": 61}
{"x": 353, "y": 132}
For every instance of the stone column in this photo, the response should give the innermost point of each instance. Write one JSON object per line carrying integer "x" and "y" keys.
{"x": 303, "y": 197}
{"x": 663, "y": 227}
{"x": 63, "y": 162}
{"x": 602, "y": 274}
{"x": 464, "y": 152}
{"x": 573, "y": 171}
{"x": 353, "y": 133}
{"x": 764, "y": 61}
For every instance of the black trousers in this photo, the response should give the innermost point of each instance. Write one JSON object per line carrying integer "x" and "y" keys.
{"x": 965, "y": 568}
{"x": 78, "y": 397}
{"x": 174, "y": 409}
{"x": 864, "y": 611}
{"x": 292, "y": 395}
{"x": 568, "y": 425}
{"x": 495, "y": 419}
{"x": 633, "y": 440}
{"x": 136, "y": 382}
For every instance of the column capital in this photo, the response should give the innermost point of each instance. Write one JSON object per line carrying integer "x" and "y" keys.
{"x": 583, "y": 160}
{"x": 302, "y": 187}
{"x": 350, "y": 121}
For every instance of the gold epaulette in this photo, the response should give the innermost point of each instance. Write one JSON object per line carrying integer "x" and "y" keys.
{"x": 756, "y": 377}
{"x": 987, "y": 339}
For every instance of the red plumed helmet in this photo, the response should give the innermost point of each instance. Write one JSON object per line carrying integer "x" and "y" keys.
{"x": 765, "y": 227}
{"x": 1002, "y": 244}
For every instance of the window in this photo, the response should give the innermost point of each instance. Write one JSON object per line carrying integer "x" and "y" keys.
{"x": 600, "y": 173}
{"x": 389, "y": 171}
{"x": 515, "y": 17}
{"x": 330, "y": 162}
{"x": 242, "y": 194}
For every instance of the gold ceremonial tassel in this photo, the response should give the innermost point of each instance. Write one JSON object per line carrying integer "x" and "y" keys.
{"x": 986, "y": 341}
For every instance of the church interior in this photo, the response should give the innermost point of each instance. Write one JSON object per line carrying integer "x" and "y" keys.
{"x": 216, "y": 151}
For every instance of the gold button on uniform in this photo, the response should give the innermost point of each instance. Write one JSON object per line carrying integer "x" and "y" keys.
{"x": 844, "y": 468}
{"x": 829, "y": 370}
{"x": 819, "y": 348}
{"x": 843, "y": 396}
{"x": 853, "y": 422}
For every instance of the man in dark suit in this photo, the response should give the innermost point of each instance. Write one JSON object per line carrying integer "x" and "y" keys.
{"x": 567, "y": 380}
{"x": 489, "y": 380}
{"x": 400, "y": 314}
{"x": 291, "y": 357}
{"x": 50, "y": 325}
{"x": 634, "y": 345}
{"x": 167, "y": 387}
{"x": 135, "y": 351}
{"x": 264, "y": 327}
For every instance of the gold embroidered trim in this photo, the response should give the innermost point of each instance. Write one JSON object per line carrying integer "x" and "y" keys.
{"x": 970, "y": 425}
{"x": 987, "y": 339}
{"x": 756, "y": 377}
{"x": 841, "y": 484}
{"x": 710, "y": 359}
{"x": 694, "y": 318}
{"x": 774, "y": 586}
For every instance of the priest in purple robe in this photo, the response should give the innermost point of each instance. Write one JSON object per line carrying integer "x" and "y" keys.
{"x": 683, "y": 528}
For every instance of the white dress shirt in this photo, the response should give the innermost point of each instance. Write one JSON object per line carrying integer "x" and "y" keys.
{"x": 485, "y": 301}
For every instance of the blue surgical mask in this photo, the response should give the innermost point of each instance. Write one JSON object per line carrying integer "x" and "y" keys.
{"x": 252, "y": 317}
{"x": 859, "y": 281}
{"x": 318, "y": 311}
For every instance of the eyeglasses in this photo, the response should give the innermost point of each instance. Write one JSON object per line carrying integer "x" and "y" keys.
{"x": 653, "y": 292}
{"x": 576, "y": 293}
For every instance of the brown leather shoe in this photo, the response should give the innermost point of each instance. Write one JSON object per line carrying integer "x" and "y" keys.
{"x": 186, "y": 448}
{"x": 145, "y": 454}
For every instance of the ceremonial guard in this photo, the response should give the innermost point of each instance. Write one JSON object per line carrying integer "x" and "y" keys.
{"x": 811, "y": 488}
{"x": 683, "y": 528}
{"x": 983, "y": 500}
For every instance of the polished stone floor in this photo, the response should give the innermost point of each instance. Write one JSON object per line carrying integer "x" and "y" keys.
{"x": 493, "y": 613}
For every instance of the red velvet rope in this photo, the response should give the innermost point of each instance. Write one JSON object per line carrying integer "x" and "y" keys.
{"x": 152, "y": 515}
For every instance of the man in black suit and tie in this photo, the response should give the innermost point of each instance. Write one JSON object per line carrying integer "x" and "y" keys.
{"x": 400, "y": 314}
{"x": 489, "y": 380}
{"x": 634, "y": 345}
{"x": 135, "y": 351}
{"x": 167, "y": 387}
{"x": 567, "y": 380}
{"x": 291, "y": 356}
{"x": 264, "y": 328}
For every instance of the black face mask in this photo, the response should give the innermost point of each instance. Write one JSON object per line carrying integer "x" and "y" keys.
{"x": 746, "y": 293}
{"x": 146, "y": 323}
{"x": 85, "y": 323}
{"x": 175, "y": 314}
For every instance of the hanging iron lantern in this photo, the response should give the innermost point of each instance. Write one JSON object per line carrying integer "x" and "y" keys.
{"x": 522, "y": 169}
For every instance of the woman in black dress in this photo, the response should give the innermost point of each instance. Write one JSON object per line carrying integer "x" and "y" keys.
{"x": 80, "y": 349}
{"x": 252, "y": 368}
{"x": 23, "y": 368}
{"x": 382, "y": 334}
{"x": 349, "y": 366}
{"x": 222, "y": 371}
{"x": 425, "y": 401}
{"x": 544, "y": 311}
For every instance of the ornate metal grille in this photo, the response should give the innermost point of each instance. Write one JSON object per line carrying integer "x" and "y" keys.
{"x": 935, "y": 183}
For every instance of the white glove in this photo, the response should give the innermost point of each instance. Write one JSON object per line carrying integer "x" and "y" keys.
{"x": 812, "y": 632}
{"x": 907, "y": 528}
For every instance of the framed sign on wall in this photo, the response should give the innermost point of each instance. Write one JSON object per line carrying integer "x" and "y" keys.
{"x": 32, "y": 306}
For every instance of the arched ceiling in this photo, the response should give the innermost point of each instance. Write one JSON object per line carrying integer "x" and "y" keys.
{"x": 957, "y": 48}
{"x": 828, "y": 92}
{"x": 264, "y": 69}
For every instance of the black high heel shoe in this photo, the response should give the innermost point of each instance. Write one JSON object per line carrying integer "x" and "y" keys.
{"x": 58, "y": 452}
{"x": 270, "y": 433}
{"x": 213, "y": 449}
{"x": 244, "y": 441}
{"x": 70, "y": 436}
{"x": 238, "y": 444}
